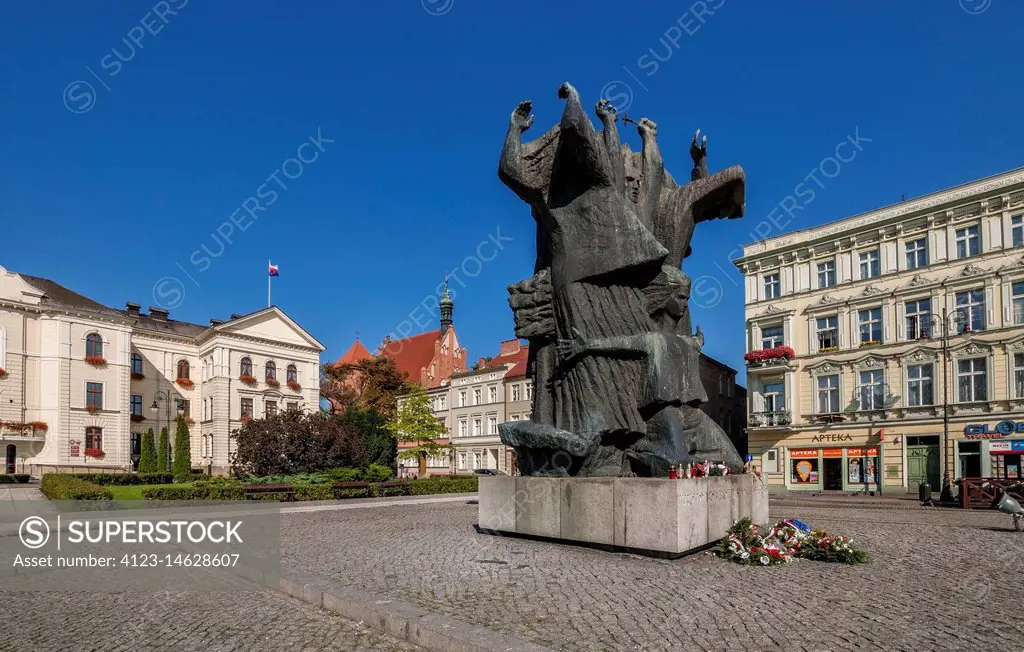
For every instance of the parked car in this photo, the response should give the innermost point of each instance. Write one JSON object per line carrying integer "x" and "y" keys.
{"x": 489, "y": 472}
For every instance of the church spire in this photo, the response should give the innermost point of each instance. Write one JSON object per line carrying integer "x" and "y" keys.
{"x": 447, "y": 306}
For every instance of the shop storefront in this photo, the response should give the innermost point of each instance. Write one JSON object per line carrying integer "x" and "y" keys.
{"x": 852, "y": 468}
{"x": 1000, "y": 447}
{"x": 1005, "y": 459}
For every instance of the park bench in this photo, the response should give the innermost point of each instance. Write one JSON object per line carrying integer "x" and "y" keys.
{"x": 286, "y": 490}
{"x": 395, "y": 487}
{"x": 352, "y": 486}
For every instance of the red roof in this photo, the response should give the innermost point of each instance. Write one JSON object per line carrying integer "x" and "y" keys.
{"x": 355, "y": 354}
{"x": 517, "y": 358}
{"x": 413, "y": 353}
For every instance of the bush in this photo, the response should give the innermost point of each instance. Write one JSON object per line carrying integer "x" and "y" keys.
{"x": 15, "y": 478}
{"x": 163, "y": 465}
{"x": 197, "y": 491}
{"x": 292, "y": 442}
{"x": 125, "y": 479}
{"x": 377, "y": 473}
{"x": 313, "y": 492}
{"x": 182, "y": 452}
{"x": 66, "y": 486}
{"x": 344, "y": 475}
{"x": 147, "y": 459}
{"x": 444, "y": 485}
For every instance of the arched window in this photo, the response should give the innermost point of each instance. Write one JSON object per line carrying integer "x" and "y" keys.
{"x": 271, "y": 370}
{"x": 246, "y": 367}
{"x": 136, "y": 364}
{"x": 94, "y": 345}
{"x": 183, "y": 370}
{"x": 293, "y": 374}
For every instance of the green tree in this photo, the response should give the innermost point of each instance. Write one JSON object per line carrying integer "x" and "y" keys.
{"x": 147, "y": 457}
{"x": 373, "y": 384}
{"x": 381, "y": 446}
{"x": 182, "y": 451}
{"x": 415, "y": 424}
{"x": 163, "y": 463}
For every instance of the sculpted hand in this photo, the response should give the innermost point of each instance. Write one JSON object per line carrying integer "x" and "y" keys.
{"x": 521, "y": 116}
{"x": 567, "y": 91}
{"x": 698, "y": 150}
{"x": 647, "y": 128}
{"x": 569, "y": 349}
{"x": 606, "y": 110}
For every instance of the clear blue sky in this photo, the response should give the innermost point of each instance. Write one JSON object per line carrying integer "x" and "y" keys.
{"x": 111, "y": 200}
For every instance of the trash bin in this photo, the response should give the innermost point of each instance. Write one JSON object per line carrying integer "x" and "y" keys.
{"x": 924, "y": 492}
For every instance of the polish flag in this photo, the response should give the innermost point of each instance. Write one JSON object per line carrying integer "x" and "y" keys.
{"x": 273, "y": 271}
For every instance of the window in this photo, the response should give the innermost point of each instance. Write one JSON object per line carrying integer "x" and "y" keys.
{"x": 442, "y": 401}
{"x": 919, "y": 385}
{"x": 292, "y": 374}
{"x": 94, "y": 345}
{"x": 869, "y": 267}
{"x": 517, "y": 392}
{"x": 1018, "y": 375}
{"x": 492, "y": 394}
{"x": 774, "y": 397}
{"x": 771, "y": 337}
{"x": 826, "y": 274}
{"x": 972, "y": 306}
{"x": 1017, "y": 297}
{"x": 462, "y": 398}
{"x": 293, "y": 405}
{"x": 772, "y": 286}
{"x": 828, "y": 333}
{"x": 1017, "y": 230}
{"x": 917, "y": 253}
{"x": 245, "y": 367}
{"x": 513, "y": 417}
{"x": 137, "y": 405}
{"x": 477, "y": 429}
{"x": 94, "y": 396}
{"x": 828, "y": 394}
{"x": 136, "y": 364}
{"x": 918, "y": 318}
{"x": 270, "y": 370}
{"x": 478, "y": 460}
{"x": 462, "y": 460}
{"x": 872, "y": 390}
{"x": 870, "y": 322}
{"x": 968, "y": 242}
{"x": 476, "y": 396}
{"x": 803, "y": 466}
{"x": 529, "y": 391}
{"x": 270, "y": 407}
{"x": 492, "y": 425}
{"x": 94, "y": 438}
{"x": 971, "y": 380}
{"x": 183, "y": 370}
{"x": 463, "y": 427}
{"x": 247, "y": 407}
{"x": 185, "y": 407}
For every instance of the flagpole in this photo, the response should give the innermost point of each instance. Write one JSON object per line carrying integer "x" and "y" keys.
{"x": 269, "y": 277}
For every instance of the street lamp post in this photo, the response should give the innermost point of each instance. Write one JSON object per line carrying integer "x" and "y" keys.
{"x": 155, "y": 408}
{"x": 946, "y": 496}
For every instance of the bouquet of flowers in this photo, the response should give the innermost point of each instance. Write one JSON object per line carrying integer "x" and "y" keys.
{"x": 786, "y": 540}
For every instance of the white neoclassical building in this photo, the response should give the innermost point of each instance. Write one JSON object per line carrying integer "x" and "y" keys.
{"x": 80, "y": 382}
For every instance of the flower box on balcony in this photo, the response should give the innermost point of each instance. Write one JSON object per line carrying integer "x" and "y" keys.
{"x": 247, "y": 379}
{"x": 94, "y": 452}
{"x": 185, "y": 383}
{"x": 39, "y": 425}
{"x": 138, "y": 376}
{"x": 827, "y": 349}
{"x": 869, "y": 343}
{"x": 95, "y": 360}
{"x": 294, "y": 384}
{"x": 189, "y": 421}
{"x": 272, "y": 383}
{"x": 3, "y": 373}
{"x": 137, "y": 418}
{"x": 770, "y": 356}
{"x": 92, "y": 409}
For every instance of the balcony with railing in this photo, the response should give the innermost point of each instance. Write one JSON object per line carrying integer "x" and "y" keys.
{"x": 774, "y": 419}
{"x": 769, "y": 359}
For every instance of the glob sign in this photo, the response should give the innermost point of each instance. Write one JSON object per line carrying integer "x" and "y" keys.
{"x": 1001, "y": 429}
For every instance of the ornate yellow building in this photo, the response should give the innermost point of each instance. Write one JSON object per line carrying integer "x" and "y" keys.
{"x": 863, "y": 334}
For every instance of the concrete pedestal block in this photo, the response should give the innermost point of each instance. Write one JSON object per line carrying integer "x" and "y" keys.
{"x": 653, "y": 516}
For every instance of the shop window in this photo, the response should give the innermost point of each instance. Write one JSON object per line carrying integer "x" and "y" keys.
{"x": 969, "y": 453}
{"x": 861, "y": 466}
{"x": 803, "y": 465}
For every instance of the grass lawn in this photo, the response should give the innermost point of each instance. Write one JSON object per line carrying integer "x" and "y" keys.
{"x": 134, "y": 492}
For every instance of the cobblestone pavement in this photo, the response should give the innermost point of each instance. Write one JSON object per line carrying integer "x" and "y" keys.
{"x": 938, "y": 579}
{"x": 245, "y": 618}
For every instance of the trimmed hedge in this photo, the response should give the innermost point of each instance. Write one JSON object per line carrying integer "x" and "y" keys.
{"x": 15, "y": 478}
{"x": 197, "y": 491}
{"x": 126, "y": 479}
{"x": 66, "y": 486}
{"x": 445, "y": 485}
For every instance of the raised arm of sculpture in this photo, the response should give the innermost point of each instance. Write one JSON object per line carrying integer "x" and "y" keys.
{"x": 512, "y": 167}
{"x": 699, "y": 154}
{"x": 624, "y": 345}
{"x": 653, "y": 171}
{"x": 721, "y": 195}
{"x": 581, "y": 141}
{"x": 609, "y": 115}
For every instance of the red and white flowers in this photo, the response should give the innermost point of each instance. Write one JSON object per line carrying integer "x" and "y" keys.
{"x": 768, "y": 355}
{"x": 784, "y": 542}
{"x": 95, "y": 360}
{"x": 94, "y": 452}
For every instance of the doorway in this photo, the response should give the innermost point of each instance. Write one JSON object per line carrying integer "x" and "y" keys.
{"x": 833, "y": 474}
{"x": 923, "y": 462}
{"x": 9, "y": 465}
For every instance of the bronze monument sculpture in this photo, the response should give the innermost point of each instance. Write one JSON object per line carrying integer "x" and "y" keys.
{"x": 613, "y": 357}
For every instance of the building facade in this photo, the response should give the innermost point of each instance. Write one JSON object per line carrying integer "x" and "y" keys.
{"x": 727, "y": 401}
{"x": 862, "y": 334}
{"x": 81, "y": 381}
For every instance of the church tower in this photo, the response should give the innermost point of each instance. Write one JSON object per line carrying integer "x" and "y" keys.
{"x": 447, "y": 306}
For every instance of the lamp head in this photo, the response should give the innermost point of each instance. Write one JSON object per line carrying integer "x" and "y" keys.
{"x": 155, "y": 408}
{"x": 1008, "y": 505}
